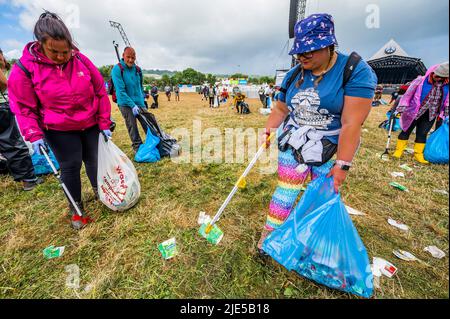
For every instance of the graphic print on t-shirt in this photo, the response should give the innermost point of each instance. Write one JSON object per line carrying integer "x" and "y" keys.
{"x": 305, "y": 105}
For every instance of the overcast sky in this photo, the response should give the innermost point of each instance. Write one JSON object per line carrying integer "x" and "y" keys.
{"x": 213, "y": 36}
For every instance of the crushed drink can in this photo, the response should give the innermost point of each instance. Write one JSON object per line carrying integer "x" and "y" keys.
{"x": 168, "y": 248}
{"x": 53, "y": 252}
{"x": 214, "y": 236}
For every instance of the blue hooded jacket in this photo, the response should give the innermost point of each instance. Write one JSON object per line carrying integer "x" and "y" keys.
{"x": 129, "y": 88}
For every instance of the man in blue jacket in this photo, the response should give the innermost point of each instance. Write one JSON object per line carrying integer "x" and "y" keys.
{"x": 127, "y": 78}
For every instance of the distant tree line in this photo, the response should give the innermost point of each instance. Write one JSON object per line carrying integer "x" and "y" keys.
{"x": 186, "y": 77}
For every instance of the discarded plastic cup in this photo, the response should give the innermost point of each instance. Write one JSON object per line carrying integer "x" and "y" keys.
{"x": 168, "y": 248}
{"x": 53, "y": 252}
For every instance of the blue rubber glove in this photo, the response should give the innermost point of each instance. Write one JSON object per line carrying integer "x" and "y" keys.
{"x": 136, "y": 110}
{"x": 37, "y": 146}
{"x": 107, "y": 133}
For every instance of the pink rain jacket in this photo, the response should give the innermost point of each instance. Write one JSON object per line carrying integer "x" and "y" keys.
{"x": 68, "y": 97}
{"x": 411, "y": 100}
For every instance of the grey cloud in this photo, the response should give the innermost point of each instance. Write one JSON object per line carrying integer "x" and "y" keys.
{"x": 216, "y": 36}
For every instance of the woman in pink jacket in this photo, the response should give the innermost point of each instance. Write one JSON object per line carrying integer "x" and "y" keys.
{"x": 425, "y": 101}
{"x": 59, "y": 98}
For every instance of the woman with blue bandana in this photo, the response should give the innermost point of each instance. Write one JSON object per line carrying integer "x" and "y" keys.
{"x": 323, "y": 103}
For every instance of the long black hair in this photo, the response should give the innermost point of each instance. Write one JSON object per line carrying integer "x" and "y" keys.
{"x": 332, "y": 49}
{"x": 50, "y": 25}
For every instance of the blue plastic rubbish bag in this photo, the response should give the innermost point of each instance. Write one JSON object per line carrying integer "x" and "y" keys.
{"x": 148, "y": 152}
{"x": 41, "y": 166}
{"x": 396, "y": 126}
{"x": 320, "y": 242}
{"x": 436, "y": 149}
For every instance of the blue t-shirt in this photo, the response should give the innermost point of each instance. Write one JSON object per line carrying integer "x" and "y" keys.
{"x": 322, "y": 107}
{"x": 426, "y": 89}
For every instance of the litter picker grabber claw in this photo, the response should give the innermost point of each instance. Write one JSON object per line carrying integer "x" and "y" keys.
{"x": 239, "y": 184}
{"x": 58, "y": 176}
{"x": 391, "y": 125}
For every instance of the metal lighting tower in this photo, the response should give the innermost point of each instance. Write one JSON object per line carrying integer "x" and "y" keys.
{"x": 118, "y": 26}
{"x": 297, "y": 12}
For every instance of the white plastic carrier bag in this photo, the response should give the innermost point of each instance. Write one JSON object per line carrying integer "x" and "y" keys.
{"x": 118, "y": 183}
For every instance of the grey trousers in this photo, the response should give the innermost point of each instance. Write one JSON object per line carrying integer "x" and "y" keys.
{"x": 131, "y": 123}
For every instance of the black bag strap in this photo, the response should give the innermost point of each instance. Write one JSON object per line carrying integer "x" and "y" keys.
{"x": 24, "y": 69}
{"x": 294, "y": 75}
{"x": 350, "y": 66}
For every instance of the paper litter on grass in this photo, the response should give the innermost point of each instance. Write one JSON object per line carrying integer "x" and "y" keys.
{"x": 168, "y": 248}
{"x": 435, "y": 252}
{"x": 406, "y": 168}
{"x": 203, "y": 218}
{"x": 404, "y": 255}
{"x": 381, "y": 267}
{"x": 398, "y": 225}
{"x": 409, "y": 151}
{"x": 53, "y": 252}
{"x": 353, "y": 211}
{"x": 441, "y": 191}
{"x": 397, "y": 174}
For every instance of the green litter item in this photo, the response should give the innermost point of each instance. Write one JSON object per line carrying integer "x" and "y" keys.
{"x": 214, "y": 236}
{"x": 399, "y": 186}
{"x": 168, "y": 248}
{"x": 406, "y": 168}
{"x": 53, "y": 252}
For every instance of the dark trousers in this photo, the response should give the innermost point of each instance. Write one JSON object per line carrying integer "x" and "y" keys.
{"x": 211, "y": 101}
{"x": 262, "y": 97}
{"x": 131, "y": 123}
{"x": 13, "y": 148}
{"x": 155, "y": 98}
{"x": 240, "y": 107}
{"x": 71, "y": 149}
{"x": 423, "y": 126}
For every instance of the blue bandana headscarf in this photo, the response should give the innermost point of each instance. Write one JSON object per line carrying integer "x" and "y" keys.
{"x": 314, "y": 33}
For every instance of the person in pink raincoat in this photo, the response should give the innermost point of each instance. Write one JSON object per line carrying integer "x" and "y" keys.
{"x": 424, "y": 102}
{"x": 59, "y": 99}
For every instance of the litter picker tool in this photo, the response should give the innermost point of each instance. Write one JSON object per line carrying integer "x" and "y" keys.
{"x": 58, "y": 176}
{"x": 241, "y": 183}
{"x": 391, "y": 125}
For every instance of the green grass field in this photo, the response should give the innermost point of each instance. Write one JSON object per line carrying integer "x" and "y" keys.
{"x": 118, "y": 257}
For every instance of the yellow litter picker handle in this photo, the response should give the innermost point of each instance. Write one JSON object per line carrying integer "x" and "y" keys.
{"x": 240, "y": 183}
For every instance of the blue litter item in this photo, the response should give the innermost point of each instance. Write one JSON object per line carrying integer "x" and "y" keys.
{"x": 269, "y": 102}
{"x": 436, "y": 149}
{"x": 41, "y": 166}
{"x": 319, "y": 241}
{"x": 148, "y": 152}
{"x": 396, "y": 127}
